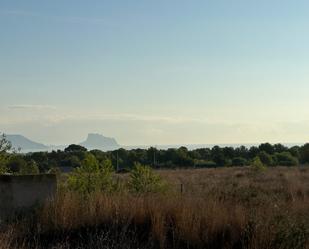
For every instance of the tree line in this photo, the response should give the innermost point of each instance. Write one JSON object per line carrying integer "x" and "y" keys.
{"x": 124, "y": 160}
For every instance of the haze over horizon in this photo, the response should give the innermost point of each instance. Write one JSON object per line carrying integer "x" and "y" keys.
{"x": 162, "y": 72}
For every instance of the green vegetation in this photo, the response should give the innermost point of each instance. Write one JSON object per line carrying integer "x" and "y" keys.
{"x": 5, "y": 147}
{"x": 19, "y": 166}
{"x": 29, "y": 168}
{"x": 75, "y": 157}
{"x": 144, "y": 180}
{"x": 91, "y": 176}
{"x": 257, "y": 164}
{"x": 124, "y": 160}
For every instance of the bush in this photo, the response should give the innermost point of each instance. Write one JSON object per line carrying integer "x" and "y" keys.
{"x": 5, "y": 147}
{"x": 239, "y": 161}
{"x": 286, "y": 159}
{"x": 3, "y": 169}
{"x": 3, "y": 165}
{"x": 30, "y": 168}
{"x": 221, "y": 160}
{"x": 304, "y": 153}
{"x": 266, "y": 158}
{"x": 55, "y": 171}
{"x": 18, "y": 165}
{"x": 144, "y": 180}
{"x": 257, "y": 165}
{"x": 91, "y": 176}
{"x": 204, "y": 164}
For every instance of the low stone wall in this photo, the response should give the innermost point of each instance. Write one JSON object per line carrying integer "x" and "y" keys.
{"x": 18, "y": 193}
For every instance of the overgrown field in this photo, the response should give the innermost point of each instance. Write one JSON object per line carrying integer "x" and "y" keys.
{"x": 204, "y": 208}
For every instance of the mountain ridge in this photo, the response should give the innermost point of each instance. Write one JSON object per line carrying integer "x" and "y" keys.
{"x": 24, "y": 143}
{"x": 93, "y": 141}
{"x": 98, "y": 141}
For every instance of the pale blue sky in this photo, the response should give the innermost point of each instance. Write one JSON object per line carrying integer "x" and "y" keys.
{"x": 155, "y": 72}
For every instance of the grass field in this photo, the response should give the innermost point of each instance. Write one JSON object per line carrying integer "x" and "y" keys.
{"x": 232, "y": 208}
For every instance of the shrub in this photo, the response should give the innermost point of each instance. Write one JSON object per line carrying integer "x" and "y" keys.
{"x": 221, "y": 160}
{"x": 5, "y": 147}
{"x": 286, "y": 159}
{"x": 3, "y": 169}
{"x": 144, "y": 180}
{"x": 257, "y": 165}
{"x": 266, "y": 158}
{"x": 204, "y": 164}
{"x": 16, "y": 163}
{"x": 30, "y": 168}
{"x": 304, "y": 153}
{"x": 91, "y": 176}
{"x": 75, "y": 148}
{"x": 55, "y": 171}
{"x": 239, "y": 161}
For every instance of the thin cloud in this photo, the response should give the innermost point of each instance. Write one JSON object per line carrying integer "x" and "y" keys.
{"x": 67, "y": 19}
{"x": 128, "y": 117}
{"x": 46, "y": 114}
{"x": 31, "y": 107}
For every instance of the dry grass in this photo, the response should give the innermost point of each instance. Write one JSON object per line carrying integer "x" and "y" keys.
{"x": 219, "y": 208}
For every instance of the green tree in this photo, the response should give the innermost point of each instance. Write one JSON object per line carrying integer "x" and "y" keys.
{"x": 257, "y": 165}
{"x": 267, "y": 147}
{"x": 219, "y": 158}
{"x": 100, "y": 155}
{"x": 241, "y": 151}
{"x": 91, "y": 176}
{"x": 42, "y": 160}
{"x": 106, "y": 174}
{"x": 183, "y": 158}
{"x": 286, "y": 159}
{"x": 228, "y": 152}
{"x": 5, "y": 147}
{"x": 295, "y": 152}
{"x": 30, "y": 168}
{"x": 239, "y": 161}
{"x": 152, "y": 156}
{"x": 304, "y": 153}
{"x": 280, "y": 148}
{"x": 266, "y": 158}
{"x": 144, "y": 180}
{"x": 253, "y": 151}
{"x": 71, "y": 161}
{"x": 16, "y": 163}
{"x": 75, "y": 148}
{"x": 3, "y": 169}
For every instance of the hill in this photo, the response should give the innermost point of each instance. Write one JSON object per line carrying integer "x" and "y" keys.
{"x": 25, "y": 144}
{"x": 97, "y": 141}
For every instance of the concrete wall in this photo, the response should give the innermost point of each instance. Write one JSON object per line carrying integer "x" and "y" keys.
{"x": 18, "y": 193}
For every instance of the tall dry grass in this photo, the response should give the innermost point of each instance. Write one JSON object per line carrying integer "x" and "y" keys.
{"x": 219, "y": 208}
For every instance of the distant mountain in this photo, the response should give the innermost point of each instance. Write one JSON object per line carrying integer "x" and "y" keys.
{"x": 93, "y": 141}
{"x": 25, "y": 144}
{"x": 97, "y": 141}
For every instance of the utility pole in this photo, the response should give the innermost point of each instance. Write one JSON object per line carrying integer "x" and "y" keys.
{"x": 154, "y": 156}
{"x": 117, "y": 161}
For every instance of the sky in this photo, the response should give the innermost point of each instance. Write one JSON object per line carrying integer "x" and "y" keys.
{"x": 155, "y": 72}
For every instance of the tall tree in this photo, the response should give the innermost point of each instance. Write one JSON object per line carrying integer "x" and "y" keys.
{"x": 5, "y": 147}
